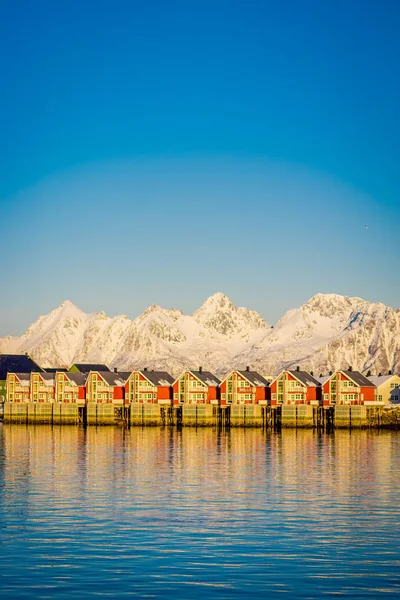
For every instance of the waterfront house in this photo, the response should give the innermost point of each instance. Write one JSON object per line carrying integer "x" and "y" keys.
{"x": 348, "y": 387}
{"x": 42, "y": 387}
{"x": 86, "y": 368}
{"x": 70, "y": 387}
{"x": 154, "y": 387}
{"x": 196, "y": 387}
{"x": 387, "y": 388}
{"x": 244, "y": 387}
{"x": 18, "y": 386}
{"x": 14, "y": 363}
{"x": 106, "y": 386}
{"x": 295, "y": 387}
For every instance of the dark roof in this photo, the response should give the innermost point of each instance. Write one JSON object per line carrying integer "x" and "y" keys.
{"x": 24, "y": 378}
{"x": 255, "y": 378}
{"x": 77, "y": 378}
{"x": 206, "y": 377}
{"x": 305, "y": 378}
{"x": 49, "y": 377}
{"x": 16, "y": 363}
{"x": 158, "y": 378}
{"x": 359, "y": 378}
{"x": 54, "y": 370}
{"x": 85, "y": 368}
{"x": 115, "y": 378}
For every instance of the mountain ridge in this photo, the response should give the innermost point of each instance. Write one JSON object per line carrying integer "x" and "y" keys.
{"x": 329, "y": 331}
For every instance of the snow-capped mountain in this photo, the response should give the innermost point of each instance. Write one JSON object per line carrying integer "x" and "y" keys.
{"x": 328, "y": 332}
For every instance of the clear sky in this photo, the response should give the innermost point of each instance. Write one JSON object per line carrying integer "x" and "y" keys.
{"x": 158, "y": 152}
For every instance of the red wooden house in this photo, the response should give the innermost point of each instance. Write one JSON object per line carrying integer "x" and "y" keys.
{"x": 244, "y": 387}
{"x": 154, "y": 387}
{"x": 196, "y": 387}
{"x": 295, "y": 387}
{"x": 43, "y": 387}
{"x": 71, "y": 387}
{"x": 106, "y": 387}
{"x": 347, "y": 387}
{"x": 18, "y": 386}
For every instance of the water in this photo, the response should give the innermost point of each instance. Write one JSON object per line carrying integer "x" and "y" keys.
{"x": 111, "y": 512}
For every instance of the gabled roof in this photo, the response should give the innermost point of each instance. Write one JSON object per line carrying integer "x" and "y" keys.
{"x": 358, "y": 378}
{"x": 380, "y": 379}
{"x": 55, "y": 370}
{"x": 115, "y": 378}
{"x": 16, "y": 363}
{"x": 158, "y": 378}
{"x": 49, "y": 378}
{"x": 252, "y": 376}
{"x": 255, "y": 378}
{"x": 305, "y": 378}
{"x": 323, "y": 379}
{"x": 206, "y": 377}
{"x": 23, "y": 378}
{"x": 86, "y": 368}
{"x": 77, "y": 378}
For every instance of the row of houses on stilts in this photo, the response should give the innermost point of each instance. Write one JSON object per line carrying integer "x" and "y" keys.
{"x": 87, "y": 384}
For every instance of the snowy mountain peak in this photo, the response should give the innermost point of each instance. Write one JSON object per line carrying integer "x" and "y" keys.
{"x": 66, "y": 308}
{"x": 221, "y": 316}
{"x": 66, "y": 303}
{"x": 216, "y": 301}
{"x": 154, "y": 308}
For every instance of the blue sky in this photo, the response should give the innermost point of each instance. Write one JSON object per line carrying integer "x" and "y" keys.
{"x": 158, "y": 152}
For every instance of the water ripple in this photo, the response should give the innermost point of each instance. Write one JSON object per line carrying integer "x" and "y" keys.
{"x": 161, "y": 513}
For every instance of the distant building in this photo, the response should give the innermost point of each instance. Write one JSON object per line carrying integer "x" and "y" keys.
{"x": 196, "y": 387}
{"x": 387, "y": 388}
{"x": 43, "y": 387}
{"x": 14, "y": 363}
{"x": 149, "y": 387}
{"x": 70, "y": 387}
{"x": 244, "y": 387}
{"x": 348, "y": 387}
{"x": 18, "y": 387}
{"x": 295, "y": 387}
{"x": 86, "y": 368}
{"x": 106, "y": 386}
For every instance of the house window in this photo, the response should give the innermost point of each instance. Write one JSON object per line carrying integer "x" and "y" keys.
{"x": 380, "y": 398}
{"x": 176, "y": 396}
{"x": 40, "y": 395}
{"x": 223, "y": 396}
{"x": 326, "y": 396}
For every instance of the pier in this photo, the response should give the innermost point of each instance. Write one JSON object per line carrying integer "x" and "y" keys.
{"x": 203, "y": 415}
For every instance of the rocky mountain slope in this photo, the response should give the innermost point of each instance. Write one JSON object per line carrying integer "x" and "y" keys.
{"x": 328, "y": 332}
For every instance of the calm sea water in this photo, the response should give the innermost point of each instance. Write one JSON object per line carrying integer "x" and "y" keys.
{"x": 111, "y": 512}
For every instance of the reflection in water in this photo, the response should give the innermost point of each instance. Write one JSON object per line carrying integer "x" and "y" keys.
{"x": 159, "y": 512}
